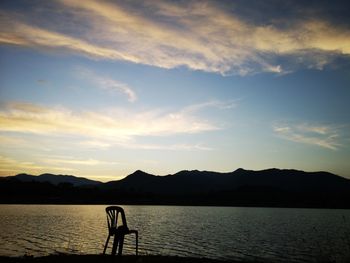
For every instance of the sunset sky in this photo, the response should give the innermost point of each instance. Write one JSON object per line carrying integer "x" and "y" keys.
{"x": 100, "y": 89}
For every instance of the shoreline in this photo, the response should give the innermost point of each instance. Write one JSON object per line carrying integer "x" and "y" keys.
{"x": 95, "y": 258}
{"x": 188, "y": 205}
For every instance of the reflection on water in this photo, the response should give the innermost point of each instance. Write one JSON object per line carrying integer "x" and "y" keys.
{"x": 269, "y": 234}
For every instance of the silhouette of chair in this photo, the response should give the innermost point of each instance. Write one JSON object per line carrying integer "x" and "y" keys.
{"x": 118, "y": 230}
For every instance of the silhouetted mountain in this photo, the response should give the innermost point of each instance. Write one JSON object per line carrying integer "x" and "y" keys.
{"x": 271, "y": 187}
{"x": 185, "y": 182}
{"x": 55, "y": 179}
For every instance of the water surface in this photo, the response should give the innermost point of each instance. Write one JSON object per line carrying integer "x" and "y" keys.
{"x": 268, "y": 234}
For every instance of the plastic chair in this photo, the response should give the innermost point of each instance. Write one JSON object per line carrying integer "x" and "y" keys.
{"x": 118, "y": 230}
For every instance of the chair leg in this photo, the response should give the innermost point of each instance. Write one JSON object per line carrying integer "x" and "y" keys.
{"x": 121, "y": 243}
{"x": 115, "y": 244}
{"x": 104, "y": 250}
{"x": 137, "y": 242}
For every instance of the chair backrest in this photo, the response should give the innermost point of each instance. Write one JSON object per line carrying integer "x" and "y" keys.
{"x": 112, "y": 218}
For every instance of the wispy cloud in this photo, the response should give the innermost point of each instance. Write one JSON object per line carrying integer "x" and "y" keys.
{"x": 171, "y": 147}
{"x": 320, "y": 135}
{"x": 223, "y": 105}
{"x": 116, "y": 125}
{"x": 72, "y": 161}
{"x": 133, "y": 144}
{"x": 198, "y": 35}
{"x": 42, "y": 82}
{"x": 95, "y": 144}
{"x": 11, "y": 141}
{"x": 107, "y": 83}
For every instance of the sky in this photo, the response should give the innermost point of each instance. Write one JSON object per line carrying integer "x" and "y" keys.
{"x": 100, "y": 89}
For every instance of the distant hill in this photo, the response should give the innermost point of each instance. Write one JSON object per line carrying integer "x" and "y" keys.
{"x": 187, "y": 182}
{"x": 271, "y": 187}
{"x": 54, "y": 179}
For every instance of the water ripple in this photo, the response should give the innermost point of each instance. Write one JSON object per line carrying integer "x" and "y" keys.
{"x": 265, "y": 234}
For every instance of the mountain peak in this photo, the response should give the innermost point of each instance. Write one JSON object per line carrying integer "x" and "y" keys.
{"x": 22, "y": 175}
{"x": 139, "y": 173}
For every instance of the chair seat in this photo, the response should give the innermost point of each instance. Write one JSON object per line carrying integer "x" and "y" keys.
{"x": 122, "y": 230}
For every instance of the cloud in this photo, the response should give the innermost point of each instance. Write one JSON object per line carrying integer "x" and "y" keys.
{"x": 95, "y": 144}
{"x": 132, "y": 144}
{"x": 42, "y": 82}
{"x": 31, "y": 126}
{"x": 198, "y": 35}
{"x": 11, "y": 141}
{"x": 172, "y": 147}
{"x": 107, "y": 83}
{"x": 320, "y": 135}
{"x": 116, "y": 125}
{"x": 72, "y": 161}
{"x": 223, "y": 105}
{"x": 26, "y": 35}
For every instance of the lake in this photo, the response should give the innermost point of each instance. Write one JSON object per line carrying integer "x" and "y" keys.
{"x": 267, "y": 234}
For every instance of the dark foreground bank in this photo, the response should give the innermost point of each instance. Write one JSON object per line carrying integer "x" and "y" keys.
{"x": 108, "y": 259}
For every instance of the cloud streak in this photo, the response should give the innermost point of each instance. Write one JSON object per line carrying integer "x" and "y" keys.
{"x": 200, "y": 36}
{"x": 74, "y": 162}
{"x": 115, "y": 125}
{"x": 322, "y": 136}
{"x": 107, "y": 83}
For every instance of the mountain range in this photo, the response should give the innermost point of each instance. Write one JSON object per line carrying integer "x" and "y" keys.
{"x": 54, "y": 179}
{"x": 187, "y": 182}
{"x": 271, "y": 187}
